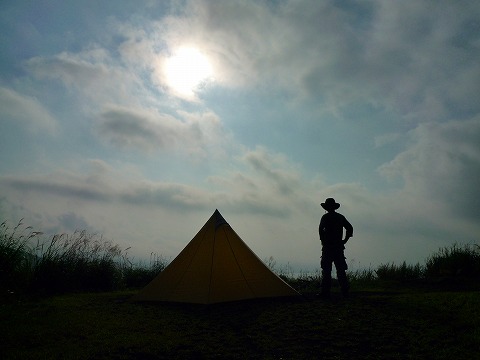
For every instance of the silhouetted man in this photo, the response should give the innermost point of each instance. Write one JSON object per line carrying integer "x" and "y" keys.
{"x": 331, "y": 235}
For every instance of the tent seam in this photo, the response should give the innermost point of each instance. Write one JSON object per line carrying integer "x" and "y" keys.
{"x": 236, "y": 261}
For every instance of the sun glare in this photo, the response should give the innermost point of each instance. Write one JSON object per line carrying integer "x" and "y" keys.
{"x": 187, "y": 70}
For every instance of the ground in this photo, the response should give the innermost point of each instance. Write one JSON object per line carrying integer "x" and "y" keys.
{"x": 373, "y": 324}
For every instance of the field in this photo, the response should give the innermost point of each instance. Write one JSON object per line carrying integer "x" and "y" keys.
{"x": 396, "y": 323}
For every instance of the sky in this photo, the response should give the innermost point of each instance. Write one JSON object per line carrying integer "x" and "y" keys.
{"x": 137, "y": 119}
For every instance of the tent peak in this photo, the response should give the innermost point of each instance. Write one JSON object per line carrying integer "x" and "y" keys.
{"x": 219, "y": 220}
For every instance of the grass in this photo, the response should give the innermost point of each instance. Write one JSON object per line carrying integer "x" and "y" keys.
{"x": 33, "y": 265}
{"x": 15, "y": 259}
{"x": 387, "y": 324}
{"x": 456, "y": 260}
{"x": 80, "y": 261}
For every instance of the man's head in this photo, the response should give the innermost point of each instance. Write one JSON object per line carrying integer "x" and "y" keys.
{"x": 330, "y": 205}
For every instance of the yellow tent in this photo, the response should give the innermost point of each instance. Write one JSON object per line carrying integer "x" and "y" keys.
{"x": 216, "y": 266}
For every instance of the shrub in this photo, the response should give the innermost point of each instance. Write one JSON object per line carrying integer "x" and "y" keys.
{"x": 304, "y": 282}
{"x": 455, "y": 261}
{"x": 139, "y": 275}
{"x": 362, "y": 277}
{"x": 404, "y": 272}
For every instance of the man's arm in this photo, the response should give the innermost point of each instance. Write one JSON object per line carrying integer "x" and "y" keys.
{"x": 349, "y": 230}
{"x": 320, "y": 229}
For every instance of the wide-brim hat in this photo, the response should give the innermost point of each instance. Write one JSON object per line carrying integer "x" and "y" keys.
{"x": 330, "y": 204}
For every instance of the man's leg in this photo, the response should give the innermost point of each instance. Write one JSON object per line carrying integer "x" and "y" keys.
{"x": 343, "y": 281}
{"x": 326, "y": 282}
{"x": 341, "y": 266}
{"x": 326, "y": 264}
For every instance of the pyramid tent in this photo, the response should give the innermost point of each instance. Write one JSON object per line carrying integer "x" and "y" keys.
{"x": 216, "y": 266}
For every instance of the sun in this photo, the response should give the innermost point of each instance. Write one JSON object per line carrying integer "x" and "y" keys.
{"x": 187, "y": 70}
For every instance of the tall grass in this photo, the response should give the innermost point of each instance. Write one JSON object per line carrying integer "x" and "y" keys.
{"x": 457, "y": 260}
{"x": 33, "y": 264}
{"x": 403, "y": 272}
{"x": 457, "y": 264}
{"x": 15, "y": 258}
{"x": 79, "y": 261}
{"x": 362, "y": 277}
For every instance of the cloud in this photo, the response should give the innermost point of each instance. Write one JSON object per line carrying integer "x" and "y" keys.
{"x": 266, "y": 183}
{"x": 442, "y": 163}
{"x": 171, "y": 196}
{"x": 64, "y": 188}
{"x": 149, "y": 130}
{"x": 275, "y": 169}
{"x": 403, "y": 58}
{"x": 128, "y": 112}
{"x": 413, "y": 61}
{"x": 235, "y": 36}
{"x": 102, "y": 184}
{"x": 275, "y": 205}
{"x": 91, "y": 73}
{"x": 70, "y": 222}
{"x": 386, "y": 139}
{"x": 138, "y": 128}
{"x": 140, "y": 210}
{"x": 423, "y": 51}
{"x": 105, "y": 187}
{"x": 412, "y": 58}
{"x": 27, "y": 111}
{"x": 79, "y": 70}
{"x": 420, "y": 60}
